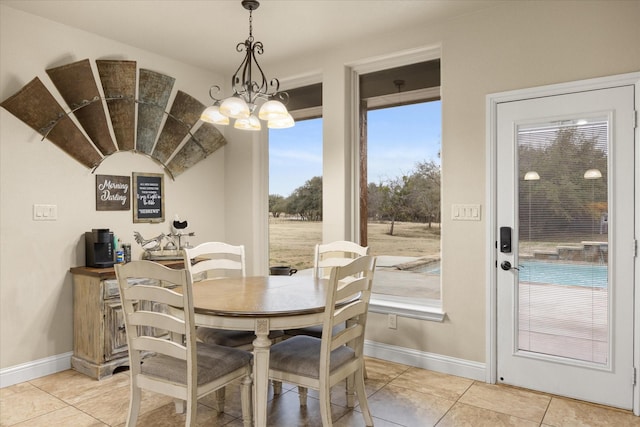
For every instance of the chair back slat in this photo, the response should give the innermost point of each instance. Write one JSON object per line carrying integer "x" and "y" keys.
{"x": 350, "y": 311}
{"x": 346, "y": 336}
{"x": 161, "y": 321}
{"x": 335, "y": 254}
{"x": 160, "y": 345}
{"x": 215, "y": 259}
{"x": 155, "y": 293}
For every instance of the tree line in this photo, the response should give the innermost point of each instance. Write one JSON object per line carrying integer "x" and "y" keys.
{"x": 562, "y": 202}
{"x": 412, "y": 197}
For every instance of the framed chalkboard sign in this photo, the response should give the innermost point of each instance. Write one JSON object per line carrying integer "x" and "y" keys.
{"x": 148, "y": 204}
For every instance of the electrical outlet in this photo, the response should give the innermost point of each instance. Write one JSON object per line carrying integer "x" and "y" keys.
{"x": 392, "y": 321}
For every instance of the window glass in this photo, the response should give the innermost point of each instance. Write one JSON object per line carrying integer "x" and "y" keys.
{"x": 295, "y": 194}
{"x": 403, "y": 200}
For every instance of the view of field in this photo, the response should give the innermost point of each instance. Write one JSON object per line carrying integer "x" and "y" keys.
{"x": 292, "y": 241}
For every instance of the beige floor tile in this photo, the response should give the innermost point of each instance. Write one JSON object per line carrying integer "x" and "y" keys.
{"x": 285, "y": 410}
{"x": 64, "y": 417}
{"x": 398, "y": 396}
{"x": 382, "y": 370}
{"x": 16, "y": 388}
{"x": 354, "y": 419}
{"x": 563, "y": 412}
{"x": 166, "y": 416}
{"x": 408, "y": 407}
{"x": 73, "y": 387}
{"x": 112, "y": 408}
{"x": 520, "y": 403}
{"x": 26, "y": 402}
{"x": 467, "y": 415}
{"x": 232, "y": 400}
{"x": 441, "y": 385}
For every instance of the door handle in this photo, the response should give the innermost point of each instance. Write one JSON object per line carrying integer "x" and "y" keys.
{"x": 506, "y": 266}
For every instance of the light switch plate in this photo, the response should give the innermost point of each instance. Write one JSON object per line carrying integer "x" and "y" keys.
{"x": 466, "y": 212}
{"x": 45, "y": 212}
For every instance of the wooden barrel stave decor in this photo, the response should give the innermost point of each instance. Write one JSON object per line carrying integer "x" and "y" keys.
{"x": 77, "y": 85}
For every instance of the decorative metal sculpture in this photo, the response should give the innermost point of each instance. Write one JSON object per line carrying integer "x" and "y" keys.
{"x": 156, "y": 249}
{"x": 77, "y": 84}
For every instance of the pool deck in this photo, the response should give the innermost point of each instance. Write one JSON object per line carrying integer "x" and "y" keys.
{"x": 390, "y": 280}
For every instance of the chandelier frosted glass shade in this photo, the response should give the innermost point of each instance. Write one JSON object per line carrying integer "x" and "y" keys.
{"x": 281, "y": 123}
{"x": 272, "y": 110}
{"x": 248, "y": 123}
{"x": 235, "y": 108}
{"x": 212, "y": 115}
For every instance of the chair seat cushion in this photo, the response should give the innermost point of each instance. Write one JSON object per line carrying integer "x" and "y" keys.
{"x": 313, "y": 331}
{"x": 300, "y": 355}
{"x": 230, "y": 338}
{"x": 213, "y": 362}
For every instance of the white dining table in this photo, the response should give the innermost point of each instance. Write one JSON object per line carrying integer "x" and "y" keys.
{"x": 261, "y": 304}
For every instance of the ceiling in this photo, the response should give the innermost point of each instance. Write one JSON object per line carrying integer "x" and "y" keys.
{"x": 204, "y": 33}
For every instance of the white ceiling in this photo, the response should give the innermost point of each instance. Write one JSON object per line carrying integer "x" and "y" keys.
{"x": 204, "y": 33}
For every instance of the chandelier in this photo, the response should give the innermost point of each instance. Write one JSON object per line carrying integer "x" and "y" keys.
{"x": 248, "y": 90}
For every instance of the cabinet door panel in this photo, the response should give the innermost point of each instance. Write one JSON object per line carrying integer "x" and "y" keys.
{"x": 116, "y": 338}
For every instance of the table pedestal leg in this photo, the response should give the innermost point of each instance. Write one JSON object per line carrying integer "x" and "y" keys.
{"x": 261, "y": 371}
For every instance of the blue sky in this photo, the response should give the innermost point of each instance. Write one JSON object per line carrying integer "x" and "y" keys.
{"x": 399, "y": 137}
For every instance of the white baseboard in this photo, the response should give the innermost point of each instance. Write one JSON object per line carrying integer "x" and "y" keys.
{"x": 434, "y": 362}
{"x": 424, "y": 360}
{"x": 35, "y": 369}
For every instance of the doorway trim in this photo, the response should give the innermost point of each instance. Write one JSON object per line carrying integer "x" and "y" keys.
{"x": 492, "y": 102}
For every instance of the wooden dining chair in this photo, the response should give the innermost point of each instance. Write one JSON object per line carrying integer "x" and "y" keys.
{"x": 181, "y": 368}
{"x": 320, "y": 363}
{"x": 213, "y": 260}
{"x": 335, "y": 254}
{"x": 327, "y": 256}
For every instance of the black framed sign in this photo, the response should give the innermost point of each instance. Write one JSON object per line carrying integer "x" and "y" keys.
{"x": 148, "y": 204}
{"x": 113, "y": 193}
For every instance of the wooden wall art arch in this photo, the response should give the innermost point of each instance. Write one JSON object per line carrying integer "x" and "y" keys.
{"x": 37, "y": 107}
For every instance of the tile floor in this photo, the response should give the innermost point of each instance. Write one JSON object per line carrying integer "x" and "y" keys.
{"x": 399, "y": 395}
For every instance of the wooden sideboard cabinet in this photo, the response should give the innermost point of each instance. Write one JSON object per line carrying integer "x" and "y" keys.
{"x": 99, "y": 335}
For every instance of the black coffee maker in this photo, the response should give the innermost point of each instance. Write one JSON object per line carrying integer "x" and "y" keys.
{"x": 99, "y": 248}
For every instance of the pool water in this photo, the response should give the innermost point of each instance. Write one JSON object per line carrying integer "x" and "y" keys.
{"x": 589, "y": 275}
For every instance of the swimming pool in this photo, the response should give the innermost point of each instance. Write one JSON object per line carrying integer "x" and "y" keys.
{"x": 589, "y": 275}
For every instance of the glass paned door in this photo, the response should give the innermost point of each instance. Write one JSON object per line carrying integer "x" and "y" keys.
{"x": 565, "y": 256}
{"x": 563, "y": 244}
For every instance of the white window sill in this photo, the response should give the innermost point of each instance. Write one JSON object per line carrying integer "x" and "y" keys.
{"x": 427, "y": 310}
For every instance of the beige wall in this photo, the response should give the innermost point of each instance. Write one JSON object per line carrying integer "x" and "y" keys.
{"x": 35, "y": 257}
{"x": 514, "y": 45}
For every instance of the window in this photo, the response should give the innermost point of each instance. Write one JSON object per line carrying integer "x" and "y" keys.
{"x": 400, "y": 185}
{"x": 295, "y": 182}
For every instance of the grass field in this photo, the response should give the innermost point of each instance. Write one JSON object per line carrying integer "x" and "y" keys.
{"x": 292, "y": 242}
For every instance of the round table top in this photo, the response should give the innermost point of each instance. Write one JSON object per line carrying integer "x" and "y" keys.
{"x": 260, "y": 296}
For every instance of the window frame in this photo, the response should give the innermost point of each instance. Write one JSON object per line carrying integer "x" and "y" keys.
{"x": 431, "y": 310}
